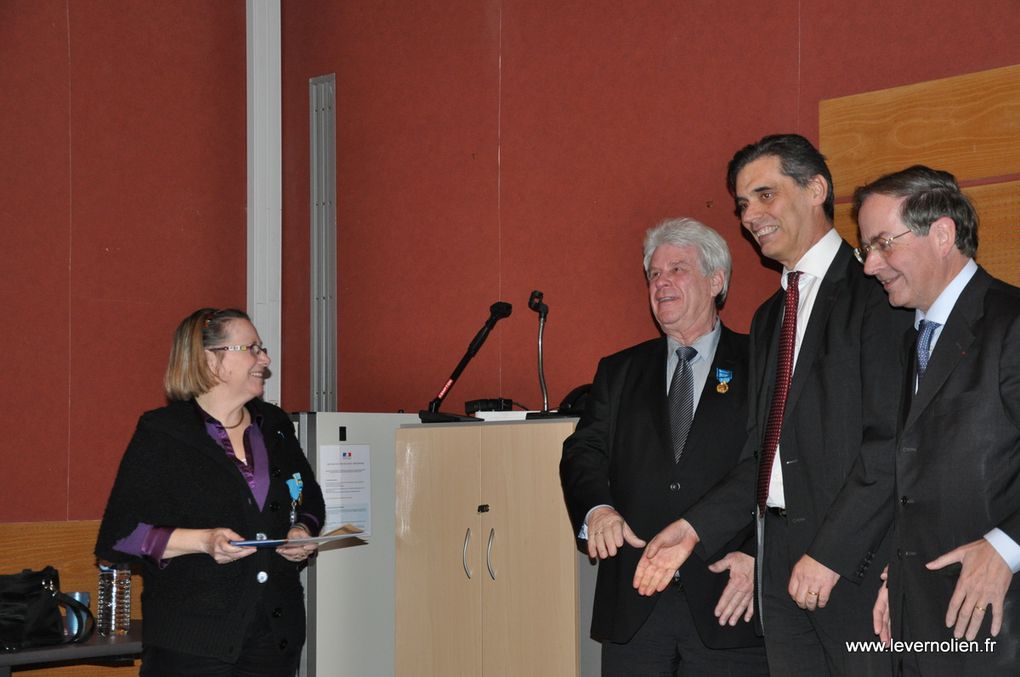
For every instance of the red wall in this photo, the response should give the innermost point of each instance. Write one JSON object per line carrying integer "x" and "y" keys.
{"x": 485, "y": 149}
{"x": 122, "y": 205}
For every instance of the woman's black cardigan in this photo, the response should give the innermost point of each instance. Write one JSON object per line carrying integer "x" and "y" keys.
{"x": 174, "y": 474}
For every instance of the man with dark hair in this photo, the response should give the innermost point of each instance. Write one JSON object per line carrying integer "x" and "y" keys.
{"x": 957, "y": 474}
{"x": 824, "y": 390}
{"x": 663, "y": 424}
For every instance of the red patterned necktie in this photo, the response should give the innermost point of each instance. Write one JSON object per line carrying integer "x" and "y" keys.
{"x": 784, "y": 371}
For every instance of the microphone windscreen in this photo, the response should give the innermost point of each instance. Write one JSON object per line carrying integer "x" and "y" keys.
{"x": 500, "y": 309}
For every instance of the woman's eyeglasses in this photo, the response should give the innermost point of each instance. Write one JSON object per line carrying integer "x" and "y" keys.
{"x": 255, "y": 349}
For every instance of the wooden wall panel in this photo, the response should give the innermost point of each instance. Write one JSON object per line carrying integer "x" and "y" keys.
{"x": 969, "y": 125}
{"x": 998, "y": 208}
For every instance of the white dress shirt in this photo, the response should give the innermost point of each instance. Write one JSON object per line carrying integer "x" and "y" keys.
{"x": 812, "y": 266}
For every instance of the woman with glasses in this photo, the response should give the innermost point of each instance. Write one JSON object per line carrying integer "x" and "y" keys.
{"x": 214, "y": 467}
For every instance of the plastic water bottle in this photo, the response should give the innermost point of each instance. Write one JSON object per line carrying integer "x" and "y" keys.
{"x": 113, "y": 604}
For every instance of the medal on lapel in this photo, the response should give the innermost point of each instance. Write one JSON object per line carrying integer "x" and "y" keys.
{"x": 295, "y": 485}
{"x": 723, "y": 376}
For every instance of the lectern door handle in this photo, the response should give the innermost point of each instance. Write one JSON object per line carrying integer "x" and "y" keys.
{"x": 463, "y": 555}
{"x": 488, "y": 553}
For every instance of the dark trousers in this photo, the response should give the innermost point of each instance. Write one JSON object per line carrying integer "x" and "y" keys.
{"x": 668, "y": 645}
{"x": 260, "y": 657}
{"x": 800, "y": 642}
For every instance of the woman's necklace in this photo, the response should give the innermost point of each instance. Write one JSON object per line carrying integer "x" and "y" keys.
{"x": 239, "y": 422}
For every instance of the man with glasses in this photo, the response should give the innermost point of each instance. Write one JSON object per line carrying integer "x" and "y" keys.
{"x": 957, "y": 507}
{"x": 823, "y": 397}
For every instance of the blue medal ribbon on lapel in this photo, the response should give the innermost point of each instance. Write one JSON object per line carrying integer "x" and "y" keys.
{"x": 723, "y": 376}
{"x": 294, "y": 485}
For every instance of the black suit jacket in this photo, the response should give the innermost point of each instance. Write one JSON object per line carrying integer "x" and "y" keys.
{"x": 958, "y": 472}
{"x": 621, "y": 455}
{"x": 841, "y": 410}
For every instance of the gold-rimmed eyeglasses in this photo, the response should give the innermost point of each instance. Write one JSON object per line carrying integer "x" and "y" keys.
{"x": 880, "y": 244}
{"x": 255, "y": 349}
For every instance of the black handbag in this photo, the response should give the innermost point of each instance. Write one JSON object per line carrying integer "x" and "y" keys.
{"x": 30, "y": 611}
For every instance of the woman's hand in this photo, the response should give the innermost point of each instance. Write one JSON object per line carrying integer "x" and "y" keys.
{"x": 213, "y": 542}
{"x": 219, "y": 548}
{"x": 297, "y": 552}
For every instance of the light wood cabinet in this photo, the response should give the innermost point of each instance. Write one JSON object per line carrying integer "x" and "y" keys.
{"x": 486, "y": 571}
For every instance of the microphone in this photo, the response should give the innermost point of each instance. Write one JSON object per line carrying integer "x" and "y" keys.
{"x": 535, "y": 303}
{"x": 497, "y": 311}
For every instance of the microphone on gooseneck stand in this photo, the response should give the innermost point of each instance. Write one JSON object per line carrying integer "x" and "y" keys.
{"x": 536, "y": 304}
{"x": 497, "y": 311}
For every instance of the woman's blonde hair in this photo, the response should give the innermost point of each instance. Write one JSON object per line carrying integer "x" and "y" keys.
{"x": 188, "y": 374}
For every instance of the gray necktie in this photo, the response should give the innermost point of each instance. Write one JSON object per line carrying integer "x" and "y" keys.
{"x": 925, "y": 331}
{"x": 681, "y": 400}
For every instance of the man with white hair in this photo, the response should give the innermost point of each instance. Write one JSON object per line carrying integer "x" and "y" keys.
{"x": 665, "y": 421}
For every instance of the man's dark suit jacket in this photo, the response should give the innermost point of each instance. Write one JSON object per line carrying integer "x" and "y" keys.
{"x": 841, "y": 410}
{"x": 958, "y": 473}
{"x": 622, "y": 455}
